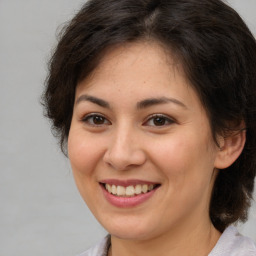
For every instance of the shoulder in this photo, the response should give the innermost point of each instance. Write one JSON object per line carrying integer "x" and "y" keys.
{"x": 231, "y": 243}
{"x": 100, "y": 249}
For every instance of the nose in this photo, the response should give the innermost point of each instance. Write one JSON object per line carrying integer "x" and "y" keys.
{"x": 124, "y": 150}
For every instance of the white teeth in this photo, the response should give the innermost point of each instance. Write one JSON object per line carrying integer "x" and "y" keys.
{"x": 130, "y": 190}
{"x": 144, "y": 188}
{"x": 138, "y": 189}
{"x": 120, "y": 191}
{"x": 113, "y": 189}
{"x": 108, "y": 187}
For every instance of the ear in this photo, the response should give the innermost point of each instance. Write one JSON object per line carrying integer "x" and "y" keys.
{"x": 230, "y": 149}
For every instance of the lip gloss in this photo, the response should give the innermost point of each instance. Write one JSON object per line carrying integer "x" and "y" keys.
{"x": 126, "y": 202}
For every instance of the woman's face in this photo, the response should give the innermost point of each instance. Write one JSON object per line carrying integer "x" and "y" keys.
{"x": 140, "y": 145}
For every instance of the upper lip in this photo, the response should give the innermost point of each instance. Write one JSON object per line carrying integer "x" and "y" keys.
{"x": 126, "y": 183}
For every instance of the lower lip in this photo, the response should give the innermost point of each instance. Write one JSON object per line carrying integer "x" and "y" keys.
{"x": 126, "y": 202}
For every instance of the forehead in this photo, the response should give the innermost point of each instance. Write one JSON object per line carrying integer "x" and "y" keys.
{"x": 139, "y": 70}
{"x": 136, "y": 59}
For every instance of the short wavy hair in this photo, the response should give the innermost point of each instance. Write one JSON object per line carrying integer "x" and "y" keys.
{"x": 218, "y": 54}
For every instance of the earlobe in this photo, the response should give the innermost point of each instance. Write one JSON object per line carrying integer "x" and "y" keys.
{"x": 230, "y": 149}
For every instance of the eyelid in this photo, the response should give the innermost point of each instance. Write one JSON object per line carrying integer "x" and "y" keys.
{"x": 86, "y": 117}
{"x": 169, "y": 119}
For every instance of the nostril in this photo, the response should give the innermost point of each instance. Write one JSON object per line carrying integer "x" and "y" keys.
{"x": 124, "y": 159}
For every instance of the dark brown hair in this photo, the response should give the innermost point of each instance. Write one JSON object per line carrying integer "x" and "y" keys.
{"x": 218, "y": 54}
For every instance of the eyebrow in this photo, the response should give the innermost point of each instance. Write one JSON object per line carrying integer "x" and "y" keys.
{"x": 156, "y": 101}
{"x": 140, "y": 105}
{"x": 94, "y": 100}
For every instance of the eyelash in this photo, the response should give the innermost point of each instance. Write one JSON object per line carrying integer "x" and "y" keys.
{"x": 167, "y": 120}
{"x": 164, "y": 120}
{"x": 89, "y": 119}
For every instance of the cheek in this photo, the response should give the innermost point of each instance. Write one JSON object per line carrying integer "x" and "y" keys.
{"x": 84, "y": 158}
{"x": 184, "y": 155}
{"x": 82, "y": 152}
{"x": 187, "y": 164}
{"x": 173, "y": 152}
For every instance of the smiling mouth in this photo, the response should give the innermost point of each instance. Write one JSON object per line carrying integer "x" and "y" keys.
{"x": 129, "y": 191}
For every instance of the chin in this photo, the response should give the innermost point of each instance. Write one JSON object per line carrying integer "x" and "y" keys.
{"x": 129, "y": 230}
{"x": 130, "y": 235}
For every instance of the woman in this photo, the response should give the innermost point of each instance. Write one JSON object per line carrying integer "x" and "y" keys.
{"x": 155, "y": 103}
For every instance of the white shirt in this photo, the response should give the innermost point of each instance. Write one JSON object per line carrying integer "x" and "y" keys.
{"x": 231, "y": 243}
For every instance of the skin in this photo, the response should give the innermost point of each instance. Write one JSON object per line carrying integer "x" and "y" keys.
{"x": 176, "y": 151}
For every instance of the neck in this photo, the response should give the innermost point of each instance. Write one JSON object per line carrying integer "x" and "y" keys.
{"x": 195, "y": 240}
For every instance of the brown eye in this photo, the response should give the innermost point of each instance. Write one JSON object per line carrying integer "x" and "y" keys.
{"x": 98, "y": 120}
{"x": 95, "y": 120}
{"x": 159, "y": 120}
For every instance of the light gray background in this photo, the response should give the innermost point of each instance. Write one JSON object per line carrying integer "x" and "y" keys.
{"x": 41, "y": 212}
